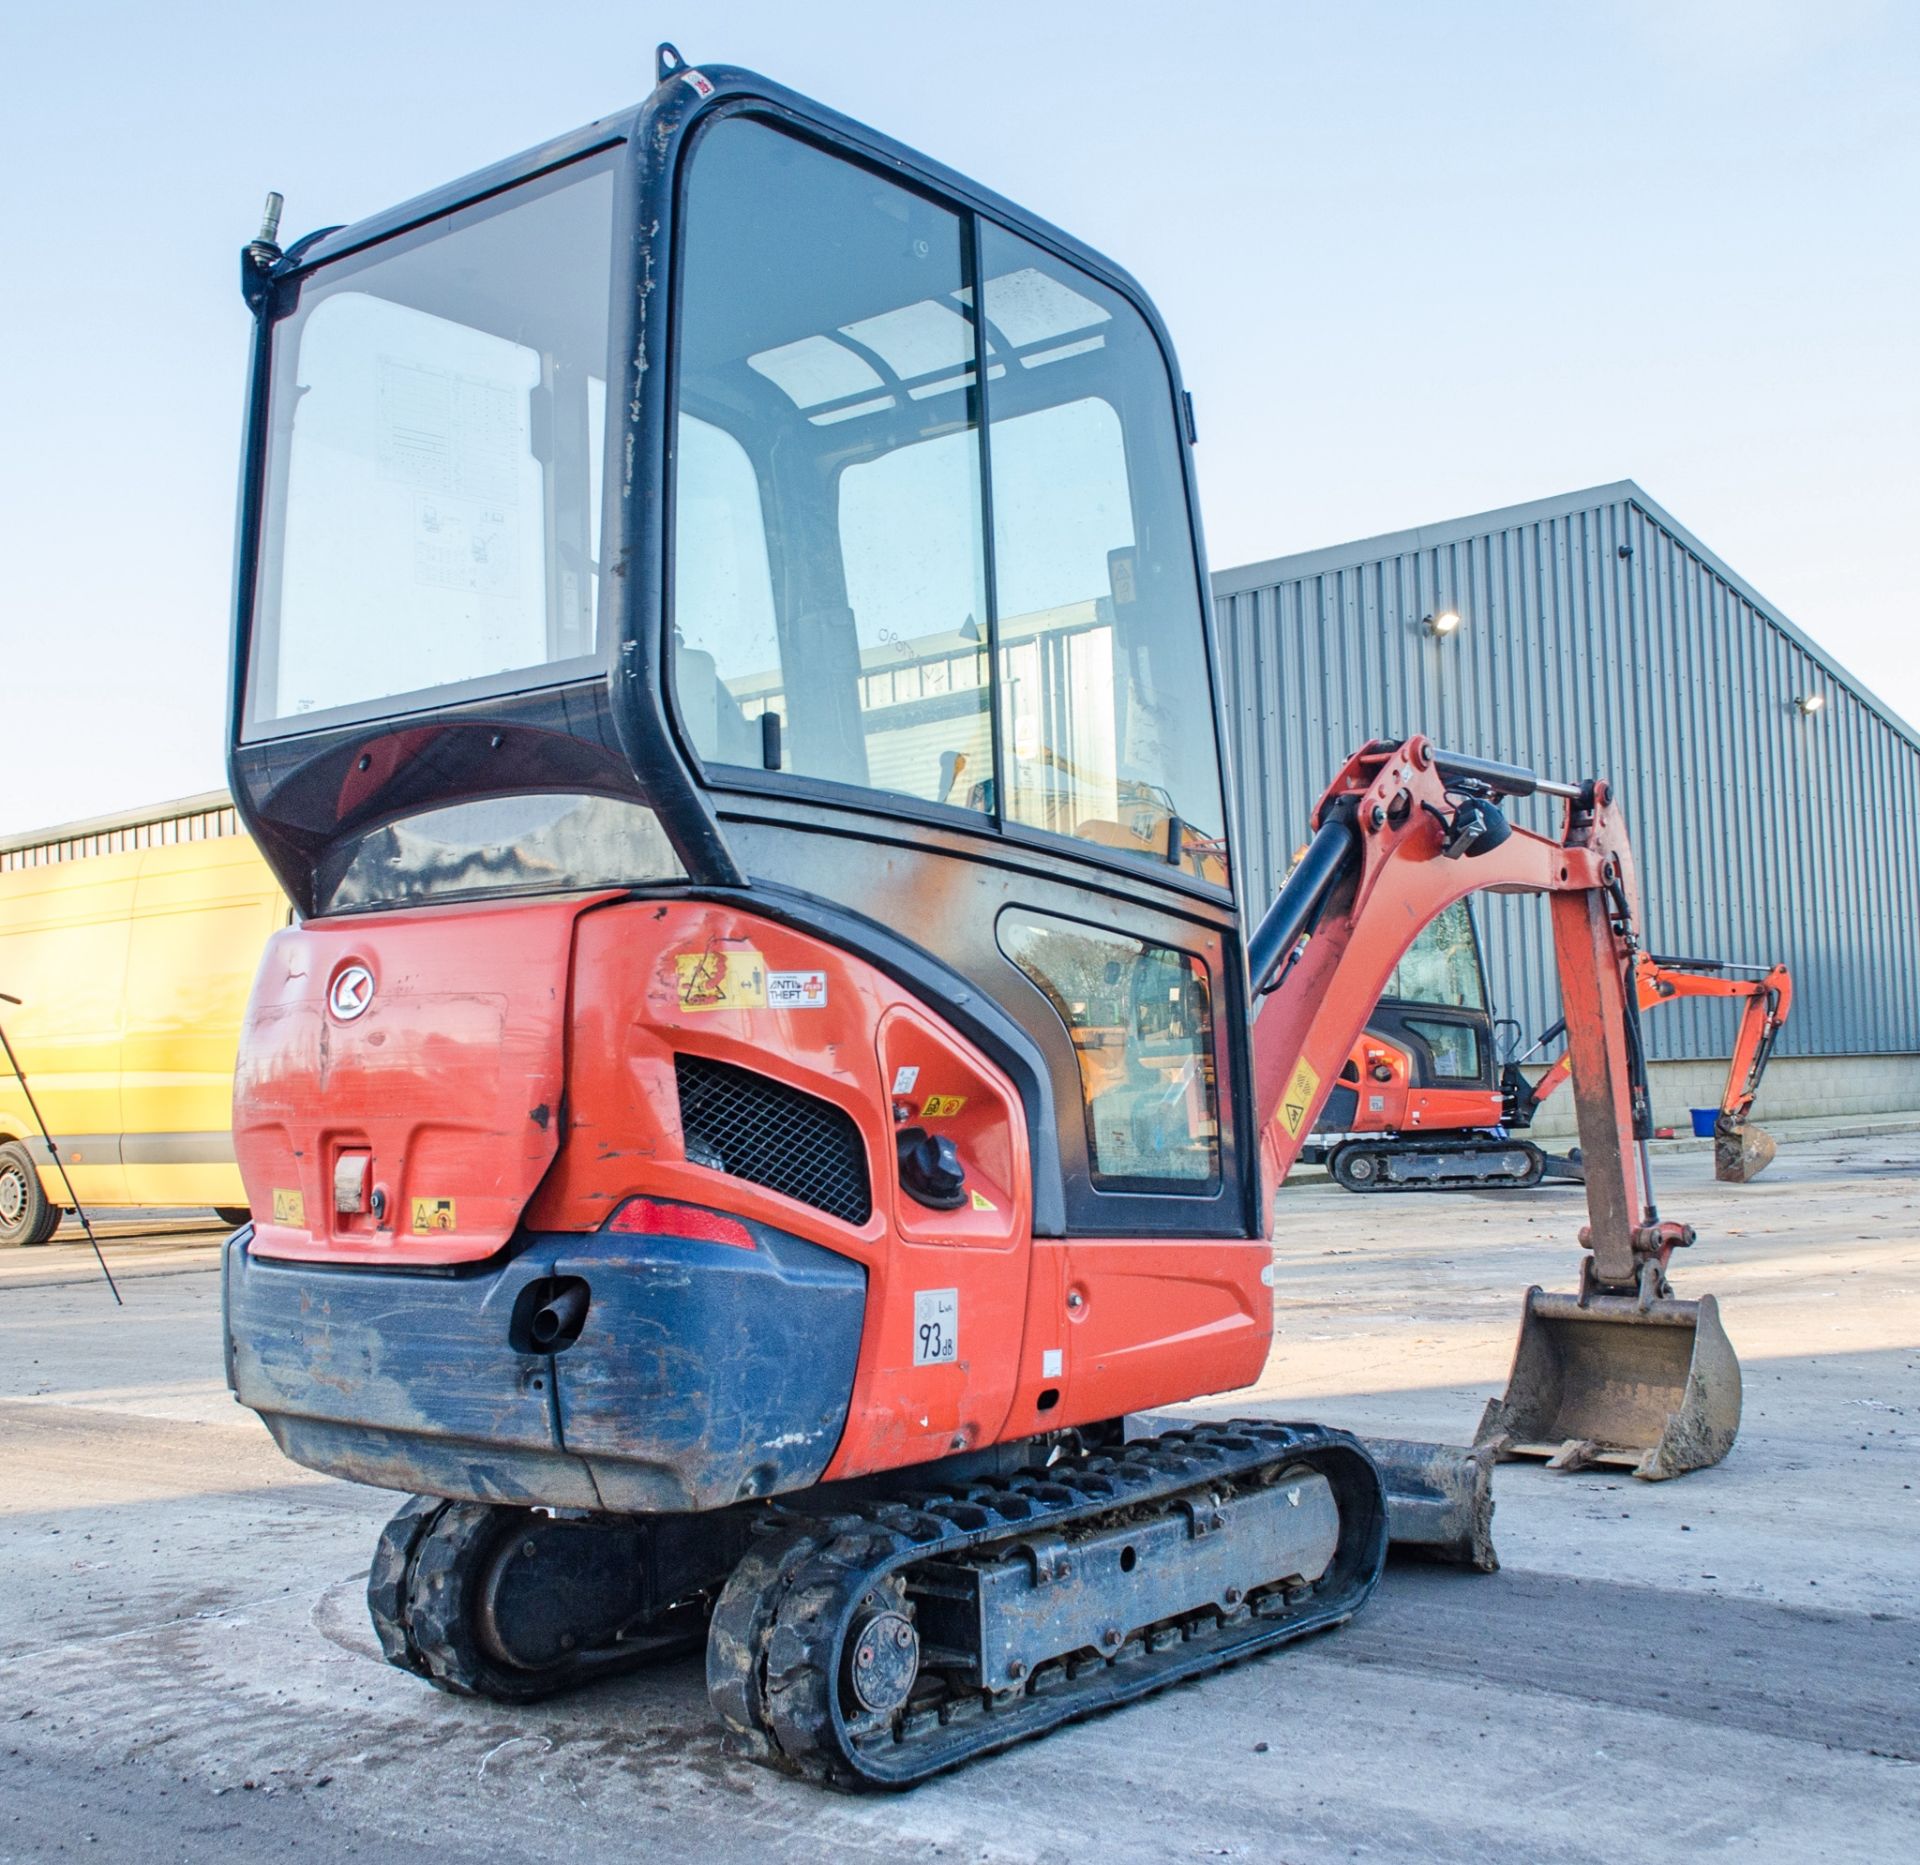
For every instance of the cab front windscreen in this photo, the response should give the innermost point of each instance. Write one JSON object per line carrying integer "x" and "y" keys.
{"x": 437, "y": 419}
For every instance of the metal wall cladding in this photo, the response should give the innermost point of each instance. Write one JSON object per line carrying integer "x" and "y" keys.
{"x": 1598, "y": 638}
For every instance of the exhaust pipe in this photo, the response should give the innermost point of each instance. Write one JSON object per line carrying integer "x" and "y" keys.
{"x": 557, "y": 1324}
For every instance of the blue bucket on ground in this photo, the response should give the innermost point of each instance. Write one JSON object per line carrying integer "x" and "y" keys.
{"x": 1703, "y": 1121}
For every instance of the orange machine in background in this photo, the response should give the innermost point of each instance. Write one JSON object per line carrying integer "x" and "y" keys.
{"x": 1422, "y": 1105}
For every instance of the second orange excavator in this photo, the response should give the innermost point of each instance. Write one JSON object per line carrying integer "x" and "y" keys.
{"x": 1422, "y": 1104}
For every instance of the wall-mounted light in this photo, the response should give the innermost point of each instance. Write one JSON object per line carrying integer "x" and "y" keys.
{"x": 1810, "y": 703}
{"x": 1442, "y": 624}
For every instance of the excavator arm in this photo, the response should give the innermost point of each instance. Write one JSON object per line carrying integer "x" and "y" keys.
{"x": 1404, "y": 831}
{"x": 1740, "y": 1150}
{"x": 1619, "y": 1371}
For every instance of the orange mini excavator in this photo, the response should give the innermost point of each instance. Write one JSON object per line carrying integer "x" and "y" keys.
{"x": 1419, "y": 1105}
{"x": 733, "y": 1165}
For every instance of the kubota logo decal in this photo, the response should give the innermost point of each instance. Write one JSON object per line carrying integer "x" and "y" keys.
{"x": 351, "y": 992}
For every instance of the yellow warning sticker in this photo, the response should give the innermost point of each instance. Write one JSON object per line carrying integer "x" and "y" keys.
{"x": 289, "y": 1208}
{"x": 1298, "y": 1097}
{"x": 981, "y": 1202}
{"x": 942, "y": 1106}
{"x": 722, "y": 978}
{"x": 432, "y": 1214}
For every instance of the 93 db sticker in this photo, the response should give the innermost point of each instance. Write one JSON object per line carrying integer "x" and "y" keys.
{"x": 936, "y": 1326}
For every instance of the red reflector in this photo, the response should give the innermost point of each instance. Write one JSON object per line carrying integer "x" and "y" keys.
{"x": 649, "y": 1218}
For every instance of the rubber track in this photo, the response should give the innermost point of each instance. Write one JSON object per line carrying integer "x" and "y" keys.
{"x": 1383, "y": 1183}
{"x": 391, "y": 1575}
{"x": 420, "y": 1595}
{"x": 775, "y": 1648}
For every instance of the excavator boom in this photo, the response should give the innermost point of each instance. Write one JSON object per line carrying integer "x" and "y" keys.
{"x": 1620, "y": 1371}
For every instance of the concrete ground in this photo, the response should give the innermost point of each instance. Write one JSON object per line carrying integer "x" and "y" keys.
{"x": 1726, "y": 1667}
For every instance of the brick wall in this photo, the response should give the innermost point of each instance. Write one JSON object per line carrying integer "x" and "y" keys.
{"x": 1795, "y": 1087}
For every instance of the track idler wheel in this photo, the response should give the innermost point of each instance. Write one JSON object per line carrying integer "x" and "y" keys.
{"x": 1357, "y": 1169}
{"x": 486, "y": 1600}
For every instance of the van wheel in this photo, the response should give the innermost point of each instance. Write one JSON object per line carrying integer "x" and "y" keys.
{"x": 233, "y": 1214}
{"x": 26, "y": 1215}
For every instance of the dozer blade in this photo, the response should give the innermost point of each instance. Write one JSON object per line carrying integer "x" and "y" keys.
{"x": 1439, "y": 1500}
{"x": 1439, "y": 1496}
{"x": 1741, "y": 1153}
{"x": 1653, "y": 1387}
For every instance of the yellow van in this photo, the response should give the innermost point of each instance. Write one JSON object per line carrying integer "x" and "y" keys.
{"x": 132, "y": 943}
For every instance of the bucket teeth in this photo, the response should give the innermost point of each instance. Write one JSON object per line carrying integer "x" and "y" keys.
{"x": 1653, "y": 1387}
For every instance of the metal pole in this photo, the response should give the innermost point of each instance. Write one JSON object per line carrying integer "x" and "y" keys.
{"x": 39, "y": 1120}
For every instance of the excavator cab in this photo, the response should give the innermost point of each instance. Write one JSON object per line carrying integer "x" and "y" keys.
{"x": 765, "y": 1079}
{"x": 879, "y": 589}
{"x": 1422, "y": 1103}
{"x": 723, "y": 669}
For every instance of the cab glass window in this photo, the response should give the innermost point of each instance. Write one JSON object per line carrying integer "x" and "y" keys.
{"x": 835, "y": 493}
{"x": 1455, "y": 1047}
{"x": 432, "y": 499}
{"x": 1106, "y": 709}
{"x": 829, "y": 555}
{"x": 1141, "y": 1019}
{"x": 1442, "y": 966}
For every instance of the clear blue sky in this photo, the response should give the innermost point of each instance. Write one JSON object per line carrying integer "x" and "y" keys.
{"x": 1419, "y": 260}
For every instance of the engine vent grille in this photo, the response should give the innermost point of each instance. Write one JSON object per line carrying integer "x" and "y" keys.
{"x": 753, "y": 1128}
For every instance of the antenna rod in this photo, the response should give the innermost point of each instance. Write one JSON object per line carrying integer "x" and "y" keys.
{"x": 40, "y": 1121}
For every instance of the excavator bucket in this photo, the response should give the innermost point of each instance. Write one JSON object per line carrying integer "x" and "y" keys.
{"x": 1652, "y": 1386}
{"x": 1741, "y": 1153}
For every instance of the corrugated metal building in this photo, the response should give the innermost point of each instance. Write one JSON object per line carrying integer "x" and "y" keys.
{"x": 1599, "y": 637}
{"x": 201, "y": 818}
